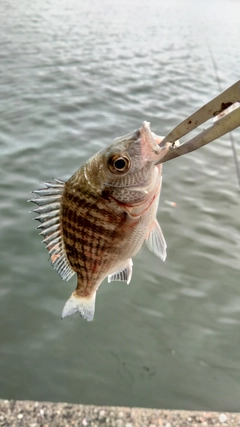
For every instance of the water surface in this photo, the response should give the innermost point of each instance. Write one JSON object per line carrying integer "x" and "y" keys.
{"x": 74, "y": 75}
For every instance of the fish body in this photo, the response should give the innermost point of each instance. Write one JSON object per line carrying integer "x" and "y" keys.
{"x": 94, "y": 223}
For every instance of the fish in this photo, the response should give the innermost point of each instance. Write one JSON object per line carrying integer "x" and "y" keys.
{"x": 96, "y": 222}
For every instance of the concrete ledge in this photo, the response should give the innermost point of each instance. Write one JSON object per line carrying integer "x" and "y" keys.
{"x": 45, "y": 414}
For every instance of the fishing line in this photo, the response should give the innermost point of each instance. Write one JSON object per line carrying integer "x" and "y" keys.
{"x": 234, "y": 151}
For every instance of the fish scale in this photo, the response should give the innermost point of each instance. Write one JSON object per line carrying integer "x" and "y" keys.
{"x": 94, "y": 223}
{"x": 88, "y": 239}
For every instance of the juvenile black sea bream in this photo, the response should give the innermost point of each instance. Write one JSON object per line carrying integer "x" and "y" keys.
{"x": 94, "y": 223}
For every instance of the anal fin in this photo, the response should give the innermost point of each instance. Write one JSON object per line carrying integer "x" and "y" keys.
{"x": 123, "y": 275}
{"x": 155, "y": 241}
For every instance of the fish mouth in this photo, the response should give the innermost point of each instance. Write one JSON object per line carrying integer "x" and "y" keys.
{"x": 150, "y": 144}
{"x": 149, "y": 138}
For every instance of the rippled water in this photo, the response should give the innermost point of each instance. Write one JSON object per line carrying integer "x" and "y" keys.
{"x": 74, "y": 75}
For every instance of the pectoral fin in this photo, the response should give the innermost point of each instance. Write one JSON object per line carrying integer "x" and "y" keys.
{"x": 124, "y": 275}
{"x": 155, "y": 241}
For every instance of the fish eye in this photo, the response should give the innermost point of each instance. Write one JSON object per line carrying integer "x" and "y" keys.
{"x": 119, "y": 164}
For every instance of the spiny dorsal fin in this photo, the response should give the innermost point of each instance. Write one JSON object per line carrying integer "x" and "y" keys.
{"x": 124, "y": 275}
{"x": 49, "y": 200}
{"x": 155, "y": 241}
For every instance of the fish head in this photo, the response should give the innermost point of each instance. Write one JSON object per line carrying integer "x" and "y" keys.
{"x": 127, "y": 168}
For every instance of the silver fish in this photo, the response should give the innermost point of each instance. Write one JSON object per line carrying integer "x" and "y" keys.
{"x": 94, "y": 223}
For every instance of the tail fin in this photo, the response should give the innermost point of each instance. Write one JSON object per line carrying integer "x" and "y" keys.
{"x": 84, "y": 305}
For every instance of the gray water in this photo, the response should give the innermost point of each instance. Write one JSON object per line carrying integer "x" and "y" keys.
{"x": 74, "y": 75}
